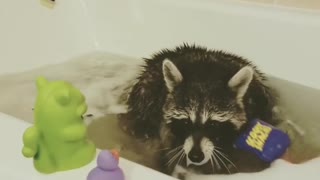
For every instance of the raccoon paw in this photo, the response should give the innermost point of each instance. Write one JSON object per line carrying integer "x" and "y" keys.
{"x": 179, "y": 173}
{"x": 182, "y": 176}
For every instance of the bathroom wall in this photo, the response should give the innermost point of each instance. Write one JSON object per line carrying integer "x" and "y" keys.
{"x": 303, "y": 4}
{"x": 32, "y": 35}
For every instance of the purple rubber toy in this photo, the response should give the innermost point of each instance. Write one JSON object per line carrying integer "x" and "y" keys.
{"x": 107, "y": 168}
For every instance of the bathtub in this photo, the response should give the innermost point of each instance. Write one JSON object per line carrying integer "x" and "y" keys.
{"x": 282, "y": 42}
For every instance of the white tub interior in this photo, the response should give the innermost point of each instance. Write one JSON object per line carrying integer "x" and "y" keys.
{"x": 282, "y": 42}
{"x": 35, "y": 35}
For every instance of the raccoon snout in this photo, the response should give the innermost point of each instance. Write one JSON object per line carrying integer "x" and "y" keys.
{"x": 196, "y": 155}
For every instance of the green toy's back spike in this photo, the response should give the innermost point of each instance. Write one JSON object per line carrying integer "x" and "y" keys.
{"x": 58, "y": 140}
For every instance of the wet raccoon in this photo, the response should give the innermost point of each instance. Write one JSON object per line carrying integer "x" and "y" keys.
{"x": 196, "y": 102}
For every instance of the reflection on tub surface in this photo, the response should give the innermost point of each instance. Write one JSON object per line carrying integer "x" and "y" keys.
{"x": 301, "y": 105}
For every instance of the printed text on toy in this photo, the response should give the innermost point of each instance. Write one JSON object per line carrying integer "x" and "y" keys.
{"x": 258, "y": 136}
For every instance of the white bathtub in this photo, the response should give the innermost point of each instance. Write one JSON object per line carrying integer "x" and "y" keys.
{"x": 282, "y": 42}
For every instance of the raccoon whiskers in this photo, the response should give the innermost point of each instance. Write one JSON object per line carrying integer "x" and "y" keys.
{"x": 226, "y": 158}
{"x": 163, "y": 149}
{"x": 216, "y": 162}
{"x": 215, "y": 152}
{"x": 216, "y": 147}
{"x": 173, "y": 150}
{"x": 212, "y": 164}
{"x": 211, "y": 154}
{"x": 175, "y": 157}
{"x": 181, "y": 157}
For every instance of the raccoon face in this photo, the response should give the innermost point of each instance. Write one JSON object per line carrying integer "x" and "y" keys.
{"x": 203, "y": 118}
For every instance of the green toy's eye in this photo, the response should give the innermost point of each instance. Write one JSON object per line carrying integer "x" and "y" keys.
{"x": 62, "y": 96}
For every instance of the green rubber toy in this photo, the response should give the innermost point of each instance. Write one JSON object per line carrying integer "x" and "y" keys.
{"x": 58, "y": 140}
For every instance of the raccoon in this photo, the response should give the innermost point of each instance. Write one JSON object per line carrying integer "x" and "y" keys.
{"x": 196, "y": 102}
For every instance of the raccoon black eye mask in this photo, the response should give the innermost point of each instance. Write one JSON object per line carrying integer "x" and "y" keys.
{"x": 237, "y": 85}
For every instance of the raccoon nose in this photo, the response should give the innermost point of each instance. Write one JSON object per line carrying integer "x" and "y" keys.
{"x": 196, "y": 155}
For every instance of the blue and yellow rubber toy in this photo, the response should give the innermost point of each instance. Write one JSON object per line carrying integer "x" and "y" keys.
{"x": 264, "y": 140}
{"x": 58, "y": 139}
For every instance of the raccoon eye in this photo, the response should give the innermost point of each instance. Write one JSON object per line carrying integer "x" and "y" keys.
{"x": 214, "y": 123}
{"x": 180, "y": 127}
{"x": 186, "y": 121}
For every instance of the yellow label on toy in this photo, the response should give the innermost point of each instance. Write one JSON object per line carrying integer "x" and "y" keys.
{"x": 258, "y": 136}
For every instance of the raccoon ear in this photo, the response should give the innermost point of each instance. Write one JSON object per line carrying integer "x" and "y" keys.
{"x": 171, "y": 74}
{"x": 241, "y": 81}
